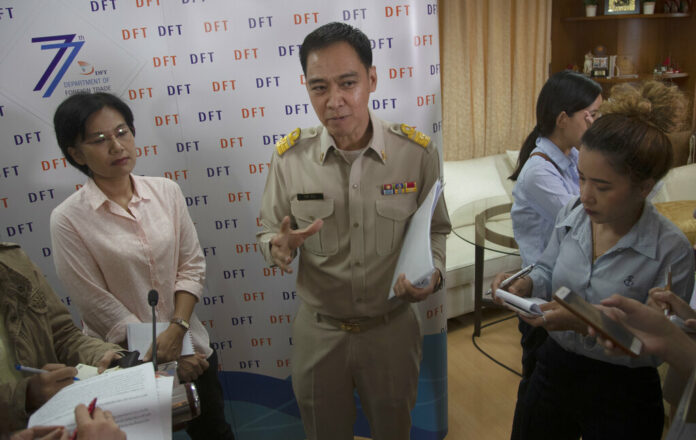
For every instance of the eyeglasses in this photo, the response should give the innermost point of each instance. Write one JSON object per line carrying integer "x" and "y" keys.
{"x": 121, "y": 133}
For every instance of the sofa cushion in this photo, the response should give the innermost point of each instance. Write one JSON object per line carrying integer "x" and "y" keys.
{"x": 469, "y": 180}
{"x": 678, "y": 184}
{"x": 681, "y": 213}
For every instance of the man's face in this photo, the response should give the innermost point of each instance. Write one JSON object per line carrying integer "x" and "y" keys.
{"x": 339, "y": 88}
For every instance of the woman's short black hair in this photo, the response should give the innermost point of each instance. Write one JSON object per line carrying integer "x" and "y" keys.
{"x": 336, "y": 32}
{"x": 71, "y": 117}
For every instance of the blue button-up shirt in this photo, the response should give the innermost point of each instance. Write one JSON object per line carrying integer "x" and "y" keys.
{"x": 539, "y": 193}
{"x": 634, "y": 265}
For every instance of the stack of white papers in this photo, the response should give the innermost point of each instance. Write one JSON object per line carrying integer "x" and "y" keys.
{"x": 141, "y": 405}
{"x": 416, "y": 258}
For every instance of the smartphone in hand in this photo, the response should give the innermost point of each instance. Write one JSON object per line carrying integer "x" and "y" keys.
{"x": 614, "y": 331}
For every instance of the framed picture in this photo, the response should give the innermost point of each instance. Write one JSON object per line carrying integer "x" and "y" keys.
{"x": 621, "y": 7}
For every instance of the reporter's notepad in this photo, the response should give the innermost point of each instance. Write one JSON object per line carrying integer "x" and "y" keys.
{"x": 416, "y": 258}
{"x": 140, "y": 338}
{"x": 528, "y": 307}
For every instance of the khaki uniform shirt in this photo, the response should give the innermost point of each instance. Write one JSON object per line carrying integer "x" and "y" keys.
{"x": 346, "y": 269}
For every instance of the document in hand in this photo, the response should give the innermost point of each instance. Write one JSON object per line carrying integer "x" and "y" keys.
{"x": 528, "y": 307}
{"x": 416, "y": 258}
{"x": 140, "y": 404}
{"x": 140, "y": 338}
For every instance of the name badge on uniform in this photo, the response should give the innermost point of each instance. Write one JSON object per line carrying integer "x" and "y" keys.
{"x": 310, "y": 196}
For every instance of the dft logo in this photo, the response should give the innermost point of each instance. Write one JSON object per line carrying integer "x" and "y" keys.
{"x": 67, "y": 43}
{"x": 86, "y": 68}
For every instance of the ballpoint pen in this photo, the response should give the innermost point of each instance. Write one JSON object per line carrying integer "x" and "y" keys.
{"x": 507, "y": 281}
{"x": 19, "y": 367}
{"x": 668, "y": 285}
{"x": 90, "y": 410}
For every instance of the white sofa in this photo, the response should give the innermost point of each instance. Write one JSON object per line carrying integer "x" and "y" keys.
{"x": 467, "y": 181}
{"x": 470, "y": 180}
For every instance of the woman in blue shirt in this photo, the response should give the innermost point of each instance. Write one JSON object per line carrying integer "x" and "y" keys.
{"x": 546, "y": 173}
{"x": 547, "y": 178}
{"x": 613, "y": 242}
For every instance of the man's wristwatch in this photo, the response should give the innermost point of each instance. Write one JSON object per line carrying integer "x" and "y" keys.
{"x": 440, "y": 281}
{"x": 180, "y": 322}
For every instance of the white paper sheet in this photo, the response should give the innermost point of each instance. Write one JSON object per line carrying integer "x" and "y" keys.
{"x": 416, "y": 257}
{"x": 165, "y": 386}
{"x": 130, "y": 394}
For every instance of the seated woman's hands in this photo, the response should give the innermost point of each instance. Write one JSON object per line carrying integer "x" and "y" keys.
{"x": 99, "y": 425}
{"x": 105, "y": 361}
{"x": 42, "y": 387}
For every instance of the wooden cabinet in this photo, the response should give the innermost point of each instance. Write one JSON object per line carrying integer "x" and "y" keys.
{"x": 647, "y": 39}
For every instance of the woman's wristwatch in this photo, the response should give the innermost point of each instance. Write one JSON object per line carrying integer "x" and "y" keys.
{"x": 180, "y": 322}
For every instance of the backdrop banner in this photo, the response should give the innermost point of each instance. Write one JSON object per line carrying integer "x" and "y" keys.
{"x": 213, "y": 84}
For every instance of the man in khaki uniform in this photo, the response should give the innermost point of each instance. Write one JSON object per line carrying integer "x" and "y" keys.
{"x": 343, "y": 193}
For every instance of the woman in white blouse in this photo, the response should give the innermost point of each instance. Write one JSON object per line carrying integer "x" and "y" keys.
{"x": 122, "y": 235}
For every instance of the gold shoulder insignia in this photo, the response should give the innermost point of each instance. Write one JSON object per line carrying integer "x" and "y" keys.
{"x": 288, "y": 141}
{"x": 415, "y": 135}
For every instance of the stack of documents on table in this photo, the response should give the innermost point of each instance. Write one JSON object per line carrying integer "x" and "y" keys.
{"x": 140, "y": 338}
{"x": 140, "y": 403}
{"x": 416, "y": 258}
{"x": 528, "y": 307}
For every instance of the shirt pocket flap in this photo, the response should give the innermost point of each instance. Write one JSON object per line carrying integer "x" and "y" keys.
{"x": 310, "y": 210}
{"x": 396, "y": 209}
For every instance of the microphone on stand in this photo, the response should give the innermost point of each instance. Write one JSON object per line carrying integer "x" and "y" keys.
{"x": 152, "y": 299}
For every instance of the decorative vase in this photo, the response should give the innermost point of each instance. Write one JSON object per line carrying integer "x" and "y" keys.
{"x": 649, "y": 8}
{"x": 591, "y": 10}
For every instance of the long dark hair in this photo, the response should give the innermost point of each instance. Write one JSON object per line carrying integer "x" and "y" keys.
{"x": 565, "y": 91}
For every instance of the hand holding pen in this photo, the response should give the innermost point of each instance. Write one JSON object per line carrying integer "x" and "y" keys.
{"x": 95, "y": 424}
{"x": 509, "y": 280}
{"x": 45, "y": 383}
{"x": 82, "y": 416}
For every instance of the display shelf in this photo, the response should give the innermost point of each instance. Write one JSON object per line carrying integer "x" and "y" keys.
{"x": 642, "y": 77}
{"x": 629, "y": 16}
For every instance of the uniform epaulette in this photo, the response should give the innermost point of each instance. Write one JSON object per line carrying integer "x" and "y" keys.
{"x": 411, "y": 133}
{"x": 293, "y": 138}
{"x": 288, "y": 141}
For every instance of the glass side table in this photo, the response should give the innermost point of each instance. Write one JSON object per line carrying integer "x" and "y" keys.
{"x": 486, "y": 224}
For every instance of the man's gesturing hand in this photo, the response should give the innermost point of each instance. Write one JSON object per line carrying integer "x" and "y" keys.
{"x": 284, "y": 243}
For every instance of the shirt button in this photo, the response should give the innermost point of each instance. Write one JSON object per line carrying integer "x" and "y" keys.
{"x": 355, "y": 225}
{"x": 355, "y": 185}
{"x": 358, "y": 300}
{"x": 357, "y": 263}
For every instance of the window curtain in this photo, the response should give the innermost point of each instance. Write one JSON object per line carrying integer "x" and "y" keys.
{"x": 495, "y": 57}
